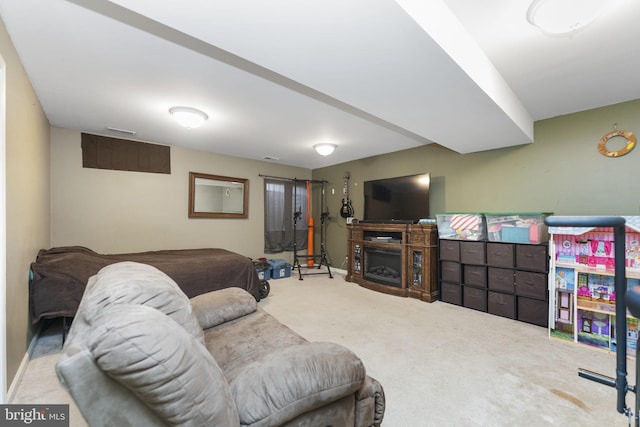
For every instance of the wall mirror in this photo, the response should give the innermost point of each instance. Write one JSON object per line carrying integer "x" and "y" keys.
{"x": 214, "y": 196}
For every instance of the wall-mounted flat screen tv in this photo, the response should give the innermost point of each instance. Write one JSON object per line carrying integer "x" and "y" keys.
{"x": 403, "y": 198}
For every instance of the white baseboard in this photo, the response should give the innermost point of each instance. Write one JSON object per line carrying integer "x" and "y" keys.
{"x": 339, "y": 271}
{"x": 17, "y": 379}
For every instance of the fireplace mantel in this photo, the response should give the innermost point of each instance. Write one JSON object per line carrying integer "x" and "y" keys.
{"x": 412, "y": 249}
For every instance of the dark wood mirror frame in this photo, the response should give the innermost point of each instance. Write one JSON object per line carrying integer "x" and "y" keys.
{"x": 215, "y": 196}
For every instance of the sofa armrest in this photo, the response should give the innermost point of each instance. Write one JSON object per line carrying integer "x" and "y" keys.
{"x": 370, "y": 403}
{"x": 217, "y": 307}
{"x": 102, "y": 400}
{"x": 295, "y": 380}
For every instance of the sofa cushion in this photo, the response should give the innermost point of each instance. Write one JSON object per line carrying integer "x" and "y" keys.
{"x": 214, "y": 308}
{"x": 294, "y": 380}
{"x": 168, "y": 369}
{"x": 140, "y": 284}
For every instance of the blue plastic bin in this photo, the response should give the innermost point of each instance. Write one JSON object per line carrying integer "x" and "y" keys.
{"x": 279, "y": 268}
{"x": 263, "y": 268}
{"x": 264, "y": 273}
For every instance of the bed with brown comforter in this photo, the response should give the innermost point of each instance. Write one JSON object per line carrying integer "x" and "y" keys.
{"x": 60, "y": 274}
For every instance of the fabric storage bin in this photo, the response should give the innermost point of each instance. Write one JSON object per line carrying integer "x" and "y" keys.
{"x": 532, "y": 257}
{"x": 500, "y": 255}
{"x": 517, "y": 227}
{"x": 450, "y": 271}
{"x": 451, "y": 293}
{"x": 461, "y": 226}
{"x": 501, "y": 279}
{"x": 449, "y": 250}
{"x": 472, "y": 253}
{"x": 475, "y": 275}
{"x": 279, "y": 268}
{"x": 475, "y": 298}
{"x": 533, "y": 311}
{"x": 530, "y": 284}
{"x": 501, "y": 304}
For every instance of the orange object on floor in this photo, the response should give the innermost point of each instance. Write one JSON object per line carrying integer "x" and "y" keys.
{"x": 309, "y": 228}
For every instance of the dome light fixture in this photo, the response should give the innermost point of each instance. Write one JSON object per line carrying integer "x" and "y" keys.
{"x": 188, "y": 117}
{"x": 325, "y": 148}
{"x": 563, "y": 17}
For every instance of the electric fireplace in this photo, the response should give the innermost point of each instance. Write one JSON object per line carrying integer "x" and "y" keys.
{"x": 382, "y": 265}
{"x": 396, "y": 259}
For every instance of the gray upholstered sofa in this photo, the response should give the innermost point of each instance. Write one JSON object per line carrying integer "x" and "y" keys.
{"x": 140, "y": 353}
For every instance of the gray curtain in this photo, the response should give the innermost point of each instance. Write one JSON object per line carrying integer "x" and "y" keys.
{"x": 283, "y": 200}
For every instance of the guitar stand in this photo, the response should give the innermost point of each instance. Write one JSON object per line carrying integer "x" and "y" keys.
{"x": 322, "y": 256}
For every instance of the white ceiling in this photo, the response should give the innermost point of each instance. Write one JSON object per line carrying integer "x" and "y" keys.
{"x": 276, "y": 77}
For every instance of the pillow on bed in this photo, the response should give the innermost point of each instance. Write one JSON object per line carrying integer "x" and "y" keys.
{"x": 168, "y": 369}
{"x": 141, "y": 284}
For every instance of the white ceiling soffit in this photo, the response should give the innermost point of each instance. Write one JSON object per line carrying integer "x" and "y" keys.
{"x": 439, "y": 22}
{"x": 91, "y": 71}
{"x": 408, "y": 65}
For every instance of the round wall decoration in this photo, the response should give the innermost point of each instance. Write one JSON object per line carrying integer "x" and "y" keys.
{"x": 629, "y": 136}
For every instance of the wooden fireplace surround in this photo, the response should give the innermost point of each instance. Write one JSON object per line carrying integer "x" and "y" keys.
{"x": 418, "y": 245}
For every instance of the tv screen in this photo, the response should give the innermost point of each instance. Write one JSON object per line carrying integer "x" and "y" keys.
{"x": 403, "y": 198}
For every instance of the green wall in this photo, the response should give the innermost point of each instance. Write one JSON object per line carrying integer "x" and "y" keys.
{"x": 561, "y": 172}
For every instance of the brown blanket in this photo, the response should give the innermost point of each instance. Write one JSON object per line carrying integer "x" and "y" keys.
{"x": 60, "y": 274}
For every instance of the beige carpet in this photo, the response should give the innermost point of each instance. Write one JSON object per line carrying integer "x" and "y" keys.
{"x": 440, "y": 365}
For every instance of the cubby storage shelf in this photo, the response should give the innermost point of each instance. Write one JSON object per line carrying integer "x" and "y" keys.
{"x": 504, "y": 279}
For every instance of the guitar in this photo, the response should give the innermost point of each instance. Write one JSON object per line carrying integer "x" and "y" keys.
{"x": 346, "y": 210}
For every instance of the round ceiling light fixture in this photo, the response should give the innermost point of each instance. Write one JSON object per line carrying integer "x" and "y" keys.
{"x": 188, "y": 117}
{"x": 325, "y": 148}
{"x": 562, "y": 17}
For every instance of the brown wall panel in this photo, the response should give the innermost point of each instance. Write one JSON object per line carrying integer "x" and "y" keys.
{"x": 102, "y": 152}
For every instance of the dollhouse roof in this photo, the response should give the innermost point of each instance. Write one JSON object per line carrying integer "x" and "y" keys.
{"x": 632, "y": 223}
